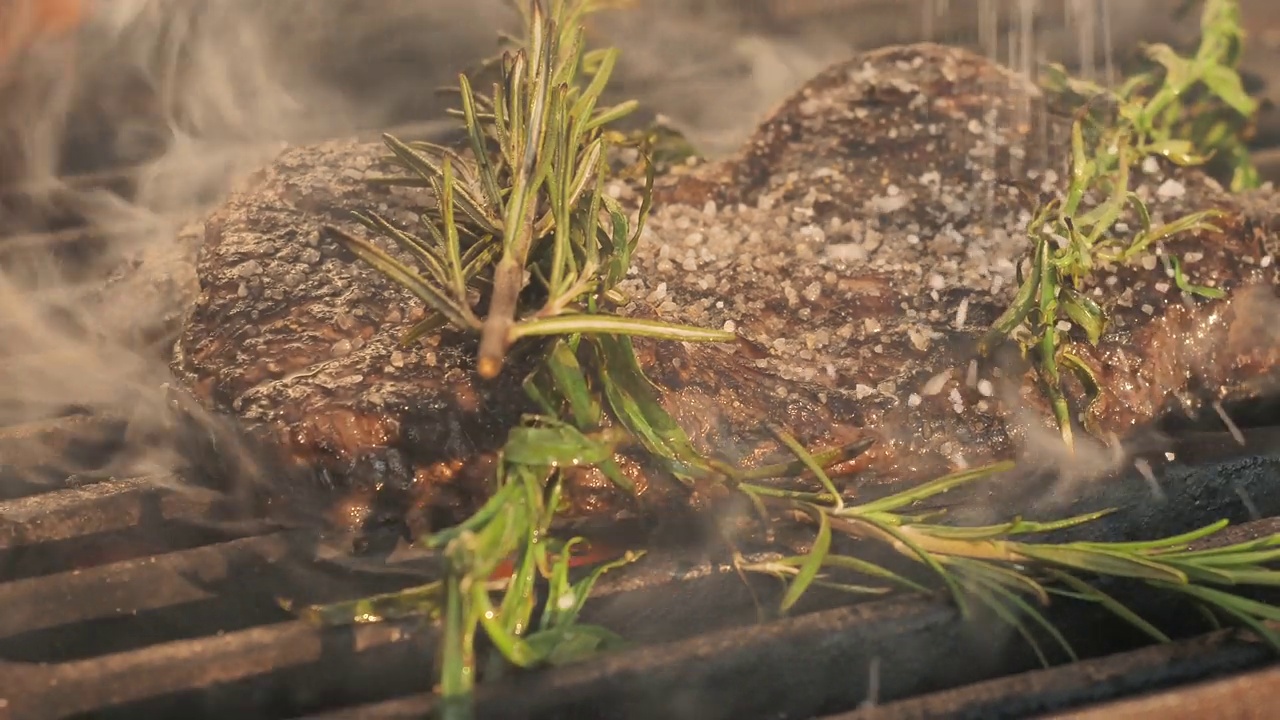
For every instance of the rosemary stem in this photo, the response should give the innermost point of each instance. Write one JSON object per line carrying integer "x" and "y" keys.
{"x": 457, "y": 679}
{"x": 495, "y": 336}
{"x": 991, "y": 550}
{"x": 765, "y": 491}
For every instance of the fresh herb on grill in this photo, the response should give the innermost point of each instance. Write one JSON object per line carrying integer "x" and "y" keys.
{"x": 1198, "y": 102}
{"x": 525, "y": 219}
{"x": 990, "y": 566}
{"x": 1147, "y": 117}
{"x": 531, "y": 198}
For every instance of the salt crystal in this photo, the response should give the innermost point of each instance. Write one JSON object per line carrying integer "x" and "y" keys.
{"x": 888, "y": 204}
{"x": 847, "y": 252}
{"x": 1171, "y": 190}
{"x": 962, "y": 313}
{"x": 936, "y": 383}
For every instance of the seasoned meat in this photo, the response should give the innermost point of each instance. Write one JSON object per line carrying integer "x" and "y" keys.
{"x": 868, "y": 236}
{"x": 860, "y": 243}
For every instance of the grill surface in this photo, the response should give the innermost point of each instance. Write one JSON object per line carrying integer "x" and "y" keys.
{"x": 150, "y": 596}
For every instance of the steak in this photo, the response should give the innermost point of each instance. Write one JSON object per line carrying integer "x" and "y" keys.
{"x": 861, "y": 243}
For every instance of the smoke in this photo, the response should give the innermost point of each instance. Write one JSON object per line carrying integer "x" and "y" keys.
{"x": 122, "y": 122}
{"x": 190, "y": 96}
{"x": 121, "y": 128}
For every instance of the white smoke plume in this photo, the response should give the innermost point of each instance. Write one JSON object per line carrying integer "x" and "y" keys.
{"x": 190, "y": 95}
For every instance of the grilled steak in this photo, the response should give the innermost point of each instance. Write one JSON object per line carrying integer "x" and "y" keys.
{"x": 860, "y": 243}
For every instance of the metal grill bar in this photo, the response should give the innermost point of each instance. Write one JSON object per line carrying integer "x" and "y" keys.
{"x": 244, "y": 673}
{"x": 1252, "y": 696}
{"x": 130, "y": 587}
{"x": 100, "y": 508}
{"x": 1031, "y": 693}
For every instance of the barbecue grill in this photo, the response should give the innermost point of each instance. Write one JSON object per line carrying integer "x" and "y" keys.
{"x": 156, "y": 596}
{"x": 148, "y": 597}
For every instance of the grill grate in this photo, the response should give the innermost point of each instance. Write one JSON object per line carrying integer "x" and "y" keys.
{"x": 150, "y": 598}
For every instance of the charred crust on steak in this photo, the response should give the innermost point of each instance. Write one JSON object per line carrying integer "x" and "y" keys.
{"x": 861, "y": 242}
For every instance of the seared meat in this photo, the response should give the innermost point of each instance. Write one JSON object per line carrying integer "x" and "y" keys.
{"x": 860, "y": 243}
{"x": 868, "y": 236}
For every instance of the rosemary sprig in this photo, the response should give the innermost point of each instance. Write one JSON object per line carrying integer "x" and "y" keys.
{"x": 527, "y": 205}
{"x": 1199, "y": 101}
{"x": 1015, "y": 579}
{"x": 1148, "y": 116}
{"x": 531, "y": 197}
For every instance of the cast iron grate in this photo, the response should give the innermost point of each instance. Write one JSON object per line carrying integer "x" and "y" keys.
{"x": 149, "y": 597}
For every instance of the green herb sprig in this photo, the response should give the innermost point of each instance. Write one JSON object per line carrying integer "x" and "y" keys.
{"x": 1197, "y": 102}
{"x": 1115, "y": 131}
{"x": 527, "y": 206}
{"x": 1016, "y": 579}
